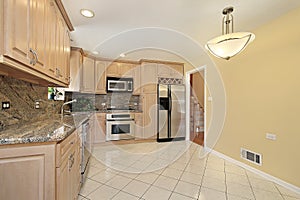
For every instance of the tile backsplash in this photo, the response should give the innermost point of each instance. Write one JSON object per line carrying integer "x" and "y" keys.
{"x": 22, "y": 97}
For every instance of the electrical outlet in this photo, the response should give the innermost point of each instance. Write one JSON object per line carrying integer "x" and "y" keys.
{"x": 271, "y": 136}
{"x": 5, "y": 105}
{"x": 37, "y": 105}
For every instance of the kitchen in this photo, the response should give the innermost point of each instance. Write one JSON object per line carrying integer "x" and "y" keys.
{"x": 101, "y": 140}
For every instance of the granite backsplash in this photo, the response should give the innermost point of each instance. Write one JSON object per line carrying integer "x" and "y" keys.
{"x": 86, "y": 102}
{"x": 22, "y": 97}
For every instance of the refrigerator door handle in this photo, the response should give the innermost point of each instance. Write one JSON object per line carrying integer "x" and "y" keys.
{"x": 170, "y": 103}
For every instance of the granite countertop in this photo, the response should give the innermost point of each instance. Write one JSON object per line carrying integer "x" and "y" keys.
{"x": 119, "y": 111}
{"x": 44, "y": 130}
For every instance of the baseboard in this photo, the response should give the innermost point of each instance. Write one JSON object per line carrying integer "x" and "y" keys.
{"x": 256, "y": 171}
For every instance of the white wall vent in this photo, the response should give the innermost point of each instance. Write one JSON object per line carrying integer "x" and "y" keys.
{"x": 251, "y": 156}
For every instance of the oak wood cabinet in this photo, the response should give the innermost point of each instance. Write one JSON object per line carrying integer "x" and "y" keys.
{"x": 36, "y": 41}
{"x": 41, "y": 171}
{"x": 68, "y": 168}
{"x": 149, "y": 115}
{"x": 27, "y": 172}
{"x": 100, "y": 128}
{"x": 88, "y": 75}
{"x": 100, "y": 77}
{"x": 76, "y": 60}
{"x": 149, "y": 77}
{"x": 119, "y": 69}
{"x": 170, "y": 70}
{"x": 138, "y": 129}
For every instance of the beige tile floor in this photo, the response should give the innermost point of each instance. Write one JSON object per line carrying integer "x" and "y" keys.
{"x": 172, "y": 171}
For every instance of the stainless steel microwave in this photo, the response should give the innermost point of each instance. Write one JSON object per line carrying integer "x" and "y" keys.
{"x": 114, "y": 84}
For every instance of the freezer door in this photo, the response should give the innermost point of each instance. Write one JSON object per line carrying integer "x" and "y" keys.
{"x": 177, "y": 111}
{"x": 162, "y": 90}
{"x": 163, "y": 124}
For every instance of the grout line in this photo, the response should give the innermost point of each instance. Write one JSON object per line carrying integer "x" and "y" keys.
{"x": 250, "y": 185}
{"x": 226, "y": 194}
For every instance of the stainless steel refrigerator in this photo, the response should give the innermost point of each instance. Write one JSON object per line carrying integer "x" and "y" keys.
{"x": 171, "y": 112}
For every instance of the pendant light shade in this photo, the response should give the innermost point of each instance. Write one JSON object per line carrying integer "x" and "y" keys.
{"x": 229, "y": 44}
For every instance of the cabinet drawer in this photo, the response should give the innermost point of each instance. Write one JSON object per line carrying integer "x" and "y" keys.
{"x": 65, "y": 146}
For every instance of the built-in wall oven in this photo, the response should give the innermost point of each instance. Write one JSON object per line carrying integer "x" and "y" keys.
{"x": 119, "y": 126}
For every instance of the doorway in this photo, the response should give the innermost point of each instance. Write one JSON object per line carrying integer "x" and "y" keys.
{"x": 196, "y": 96}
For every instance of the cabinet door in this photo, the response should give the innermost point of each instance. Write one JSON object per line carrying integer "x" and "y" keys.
{"x": 63, "y": 178}
{"x": 100, "y": 77}
{"x": 51, "y": 38}
{"x": 27, "y": 172}
{"x": 17, "y": 30}
{"x": 60, "y": 33}
{"x": 177, "y": 71}
{"x": 137, "y": 80}
{"x": 67, "y": 51}
{"x": 75, "y": 67}
{"x": 74, "y": 180}
{"x": 149, "y": 77}
{"x": 38, "y": 32}
{"x": 163, "y": 71}
{"x": 88, "y": 75}
{"x": 68, "y": 170}
{"x": 150, "y": 116}
{"x": 100, "y": 128}
{"x": 139, "y": 130}
{"x": 113, "y": 70}
{"x": 126, "y": 70}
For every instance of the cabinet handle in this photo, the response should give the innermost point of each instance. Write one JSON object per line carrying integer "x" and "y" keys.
{"x": 71, "y": 161}
{"x": 33, "y": 60}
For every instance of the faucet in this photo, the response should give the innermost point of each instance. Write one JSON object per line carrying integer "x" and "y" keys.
{"x": 62, "y": 108}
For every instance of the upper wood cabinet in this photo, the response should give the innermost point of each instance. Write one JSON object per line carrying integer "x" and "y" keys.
{"x": 35, "y": 36}
{"x": 170, "y": 70}
{"x": 76, "y": 60}
{"x": 18, "y": 18}
{"x": 88, "y": 75}
{"x": 120, "y": 69}
{"x": 137, "y": 87}
{"x": 100, "y": 77}
{"x": 149, "y": 77}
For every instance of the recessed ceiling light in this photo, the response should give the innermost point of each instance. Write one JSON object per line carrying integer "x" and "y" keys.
{"x": 122, "y": 55}
{"x": 87, "y": 13}
{"x": 95, "y": 52}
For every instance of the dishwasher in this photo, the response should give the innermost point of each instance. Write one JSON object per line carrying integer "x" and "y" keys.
{"x": 85, "y": 148}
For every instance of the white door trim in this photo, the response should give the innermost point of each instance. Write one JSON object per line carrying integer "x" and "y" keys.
{"x": 187, "y": 100}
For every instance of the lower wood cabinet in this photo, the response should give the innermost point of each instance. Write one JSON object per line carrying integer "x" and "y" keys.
{"x": 68, "y": 168}
{"x": 27, "y": 172}
{"x": 100, "y": 128}
{"x": 150, "y": 116}
{"x": 41, "y": 171}
{"x": 138, "y": 129}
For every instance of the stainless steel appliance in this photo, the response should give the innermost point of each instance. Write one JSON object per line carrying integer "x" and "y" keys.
{"x": 85, "y": 148}
{"x": 114, "y": 84}
{"x": 171, "y": 112}
{"x": 119, "y": 126}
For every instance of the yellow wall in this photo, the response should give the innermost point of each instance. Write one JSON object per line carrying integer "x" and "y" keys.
{"x": 263, "y": 95}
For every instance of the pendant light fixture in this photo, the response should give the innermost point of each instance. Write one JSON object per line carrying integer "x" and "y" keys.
{"x": 229, "y": 43}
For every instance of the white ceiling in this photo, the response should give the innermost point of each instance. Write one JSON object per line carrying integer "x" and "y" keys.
{"x": 124, "y": 25}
